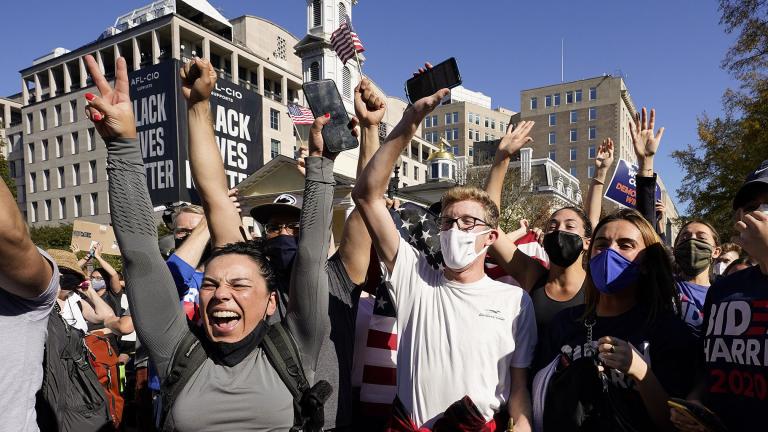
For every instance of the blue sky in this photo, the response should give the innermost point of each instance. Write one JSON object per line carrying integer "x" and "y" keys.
{"x": 668, "y": 51}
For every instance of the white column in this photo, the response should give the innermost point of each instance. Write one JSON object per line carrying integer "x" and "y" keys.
{"x": 284, "y": 85}
{"x": 24, "y": 91}
{"x": 136, "y": 54}
{"x": 67, "y": 78}
{"x": 206, "y": 48}
{"x": 260, "y": 78}
{"x": 83, "y": 73}
{"x": 155, "y": 48}
{"x": 38, "y": 90}
{"x": 175, "y": 41}
{"x": 235, "y": 68}
{"x": 100, "y": 61}
{"x": 51, "y": 84}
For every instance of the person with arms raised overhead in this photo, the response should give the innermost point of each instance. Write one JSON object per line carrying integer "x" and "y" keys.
{"x": 214, "y": 377}
{"x": 465, "y": 341}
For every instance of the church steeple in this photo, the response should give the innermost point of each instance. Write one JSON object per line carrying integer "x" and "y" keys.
{"x": 318, "y": 60}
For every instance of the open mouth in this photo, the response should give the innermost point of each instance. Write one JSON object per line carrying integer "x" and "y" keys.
{"x": 224, "y": 321}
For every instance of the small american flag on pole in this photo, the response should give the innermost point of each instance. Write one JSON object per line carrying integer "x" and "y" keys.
{"x": 300, "y": 115}
{"x": 345, "y": 42}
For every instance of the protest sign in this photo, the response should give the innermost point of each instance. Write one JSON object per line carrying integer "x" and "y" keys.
{"x": 86, "y": 234}
{"x": 623, "y": 188}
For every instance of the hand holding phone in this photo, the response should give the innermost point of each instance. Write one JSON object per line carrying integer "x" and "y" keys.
{"x": 431, "y": 79}
{"x": 323, "y": 98}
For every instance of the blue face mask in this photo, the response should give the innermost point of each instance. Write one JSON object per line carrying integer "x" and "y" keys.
{"x": 611, "y": 272}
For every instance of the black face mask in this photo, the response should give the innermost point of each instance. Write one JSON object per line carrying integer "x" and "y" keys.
{"x": 281, "y": 251}
{"x": 563, "y": 248}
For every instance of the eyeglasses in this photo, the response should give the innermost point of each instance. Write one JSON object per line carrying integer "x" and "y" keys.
{"x": 465, "y": 223}
{"x": 291, "y": 228}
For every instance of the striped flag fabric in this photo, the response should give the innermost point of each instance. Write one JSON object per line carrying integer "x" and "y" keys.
{"x": 300, "y": 115}
{"x": 379, "y": 385}
{"x": 346, "y": 42}
{"x": 529, "y": 245}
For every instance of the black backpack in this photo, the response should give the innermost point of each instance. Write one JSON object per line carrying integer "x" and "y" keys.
{"x": 282, "y": 354}
{"x": 71, "y": 397}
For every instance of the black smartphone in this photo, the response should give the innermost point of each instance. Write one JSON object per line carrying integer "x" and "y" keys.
{"x": 323, "y": 97}
{"x": 443, "y": 75}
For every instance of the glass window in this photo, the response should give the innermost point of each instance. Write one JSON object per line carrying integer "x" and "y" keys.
{"x": 552, "y": 119}
{"x": 471, "y": 151}
{"x": 552, "y": 138}
{"x": 593, "y": 132}
{"x": 91, "y": 139}
{"x": 275, "y": 148}
{"x": 574, "y": 135}
{"x": 591, "y": 171}
{"x": 59, "y": 147}
{"x": 57, "y": 115}
{"x": 534, "y": 103}
{"x": 486, "y": 122}
{"x": 435, "y": 172}
{"x": 44, "y": 150}
{"x": 456, "y": 150}
{"x": 592, "y": 93}
{"x": 593, "y": 114}
{"x": 47, "y": 204}
{"x": 92, "y": 171}
{"x": 552, "y": 154}
{"x": 33, "y": 216}
{"x": 32, "y": 180}
{"x": 94, "y": 204}
{"x": 548, "y": 101}
{"x": 456, "y": 133}
{"x": 434, "y": 120}
{"x": 31, "y": 152}
{"x": 405, "y": 168}
{"x": 573, "y": 171}
{"x": 72, "y": 111}
{"x": 448, "y": 118}
{"x": 60, "y": 181}
{"x": 592, "y": 152}
{"x": 577, "y": 95}
{"x": 75, "y": 174}
{"x": 62, "y": 208}
{"x": 477, "y": 119}
{"x": 78, "y": 206}
{"x": 470, "y": 134}
{"x": 46, "y": 180}
{"x": 456, "y": 117}
{"x": 569, "y": 97}
{"x": 493, "y": 124}
{"x": 574, "y": 116}
{"x": 75, "y": 143}
{"x": 428, "y": 122}
{"x": 43, "y": 119}
{"x": 445, "y": 170}
{"x": 470, "y": 117}
{"x": 573, "y": 154}
{"x": 556, "y": 99}
{"x": 274, "y": 119}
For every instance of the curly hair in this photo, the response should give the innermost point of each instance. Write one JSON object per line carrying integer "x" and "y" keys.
{"x": 253, "y": 249}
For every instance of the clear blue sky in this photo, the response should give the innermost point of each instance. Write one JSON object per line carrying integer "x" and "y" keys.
{"x": 669, "y": 51}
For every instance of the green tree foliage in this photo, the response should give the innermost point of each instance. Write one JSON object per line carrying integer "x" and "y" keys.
{"x": 52, "y": 237}
{"x": 731, "y": 147}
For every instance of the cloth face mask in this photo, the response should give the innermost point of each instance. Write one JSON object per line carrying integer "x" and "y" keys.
{"x": 693, "y": 256}
{"x": 458, "y": 247}
{"x": 563, "y": 247}
{"x": 611, "y": 272}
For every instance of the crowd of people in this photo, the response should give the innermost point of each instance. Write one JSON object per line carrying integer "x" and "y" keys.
{"x": 612, "y": 331}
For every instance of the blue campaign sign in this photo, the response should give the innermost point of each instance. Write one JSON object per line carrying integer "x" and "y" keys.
{"x": 623, "y": 189}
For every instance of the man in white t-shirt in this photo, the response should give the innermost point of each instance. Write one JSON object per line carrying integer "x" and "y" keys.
{"x": 461, "y": 334}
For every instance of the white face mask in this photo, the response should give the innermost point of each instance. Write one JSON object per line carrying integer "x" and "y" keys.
{"x": 719, "y": 268}
{"x": 458, "y": 247}
{"x": 98, "y": 284}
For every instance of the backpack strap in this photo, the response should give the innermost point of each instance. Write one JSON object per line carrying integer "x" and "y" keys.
{"x": 283, "y": 354}
{"x": 187, "y": 359}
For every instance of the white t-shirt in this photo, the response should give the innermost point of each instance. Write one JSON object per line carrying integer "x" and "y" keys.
{"x": 70, "y": 311}
{"x": 456, "y": 339}
{"x": 130, "y": 337}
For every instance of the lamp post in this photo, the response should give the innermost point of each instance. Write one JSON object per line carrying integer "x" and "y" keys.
{"x": 394, "y": 182}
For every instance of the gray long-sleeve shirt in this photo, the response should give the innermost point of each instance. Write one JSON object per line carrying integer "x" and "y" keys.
{"x": 250, "y": 395}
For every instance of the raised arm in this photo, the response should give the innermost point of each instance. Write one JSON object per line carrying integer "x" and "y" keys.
{"x": 23, "y": 271}
{"x": 95, "y": 309}
{"x": 517, "y": 264}
{"x": 307, "y": 315}
{"x": 114, "y": 278}
{"x": 646, "y": 144}
{"x": 355, "y": 240}
{"x": 593, "y": 206}
{"x": 372, "y": 183}
{"x": 159, "y": 321}
{"x": 198, "y": 79}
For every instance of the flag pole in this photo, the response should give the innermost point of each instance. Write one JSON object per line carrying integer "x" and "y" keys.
{"x": 359, "y": 67}
{"x": 298, "y": 135}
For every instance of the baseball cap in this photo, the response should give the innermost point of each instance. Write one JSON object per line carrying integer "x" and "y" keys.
{"x": 285, "y": 204}
{"x": 66, "y": 260}
{"x": 754, "y": 182}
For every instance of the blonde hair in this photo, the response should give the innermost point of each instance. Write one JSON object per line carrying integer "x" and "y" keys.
{"x": 192, "y": 208}
{"x": 468, "y": 193}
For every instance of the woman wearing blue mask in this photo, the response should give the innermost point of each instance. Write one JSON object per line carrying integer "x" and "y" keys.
{"x": 627, "y": 333}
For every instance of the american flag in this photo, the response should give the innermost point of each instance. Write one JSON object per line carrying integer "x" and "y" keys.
{"x": 346, "y": 42}
{"x": 416, "y": 225}
{"x": 300, "y": 115}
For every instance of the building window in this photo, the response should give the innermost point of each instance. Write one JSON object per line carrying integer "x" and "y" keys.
{"x": 592, "y": 114}
{"x": 279, "y": 50}
{"x": 445, "y": 171}
{"x": 534, "y": 103}
{"x": 486, "y": 136}
{"x": 552, "y": 138}
{"x": 456, "y": 117}
{"x": 593, "y": 132}
{"x": 448, "y": 134}
{"x": 43, "y": 119}
{"x": 428, "y": 122}
{"x": 569, "y": 97}
{"x": 448, "y": 118}
{"x": 405, "y": 168}
{"x": 573, "y": 171}
{"x": 574, "y": 116}
{"x": 455, "y": 133}
{"x": 275, "y": 148}
{"x": 435, "y": 170}
{"x": 72, "y": 111}
{"x": 592, "y": 93}
{"x": 46, "y": 180}
{"x": 33, "y": 212}
{"x": 577, "y": 95}
{"x": 32, "y": 181}
{"x": 274, "y": 119}
{"x": 493, "y": 124}
{"x": 342, "y": 13}
{"x": 74, "y": 139}
{"x": 62, "y": 208}
{"x": 416, "y": 173}
{"x": 317, "y": 13}
{"x": 574, "y": 135}
{"x": 59, "y": 146}
{"x": 31, "y": 152}
{"x": 29, "y": 123}
{"x": 434, "y": 121}
{"x": 471, "y": 151}
{"x": 591, "y": 171}
{"x": 60, "y": 172}
{"x": 592, "y": 152}
{"x": 552, "y": 119}
{"x": 47, "y": 209}
{"x": 502, "y": 126}
{"x": 346, "y": 78}
{"x": 91, "y": 139}
{"x": 548, "y": 101}
{"x": 314, "y": 71}
{"x": 56, "y": 115}
{"x": 573, "y": 154}
{"x": 92, "y": 172}
{"x": 552, "y": 154}
{"x": 477, "y": 135}
{"x": 470, "y": 133}
{"x": 486, "y": 122}
{"x": 556, "y": 99}
{"x": 76, "y": 174}
{"x": 94, "y": 201}
{"x": 77, "y": 206}
{"x": 44, "y": 150}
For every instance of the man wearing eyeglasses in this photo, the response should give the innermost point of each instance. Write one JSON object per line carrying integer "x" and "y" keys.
{"x": 465, "y": 340}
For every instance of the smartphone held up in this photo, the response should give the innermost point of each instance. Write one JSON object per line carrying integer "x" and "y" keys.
{"x": 440, "y": 76}
{"x": 323, "y": 97}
